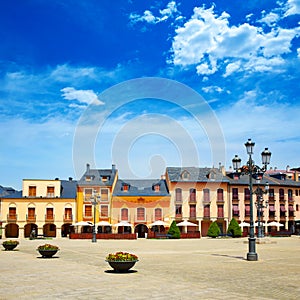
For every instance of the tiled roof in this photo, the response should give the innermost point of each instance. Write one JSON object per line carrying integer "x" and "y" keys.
{"x": 194, "y": 174}
{"x": 96, "y": 175}
{"x": 141, "y": 187}
{"x": 244, "y": 180}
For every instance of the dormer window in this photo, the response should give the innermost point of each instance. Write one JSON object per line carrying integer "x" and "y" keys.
{"x": 125, "y": 187}
{"x": 211, "y": 175}
{"x": 185, "y": 175}
{"x": 105, "y": 178}
{"x": 88, "y": 178}
{"x": 156, "y": 188}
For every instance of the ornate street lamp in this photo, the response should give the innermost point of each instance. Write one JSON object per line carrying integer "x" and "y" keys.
{"x": 95, "y": 199}
{"x": 255, "y": 172}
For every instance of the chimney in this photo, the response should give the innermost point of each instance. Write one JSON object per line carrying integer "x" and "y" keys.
{"x": 87, "y": 168}
{"x": 113, "y": 168}
{"x": 296, "y": 176}
{"x": 70, "y": 178}
{"x": 287, "y": 168}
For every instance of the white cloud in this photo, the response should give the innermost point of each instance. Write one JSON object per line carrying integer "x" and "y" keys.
{"x": 270, "y": 19}
{"x": 83, "y": 96}
{"x": 148, "y": 16}
{"x": 293, "y": 7}
{"x": 208, "y": 41}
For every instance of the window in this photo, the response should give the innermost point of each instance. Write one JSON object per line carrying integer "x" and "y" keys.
{"x": 105, "y": 178}
{"x": 31, "y": 211}
{"x": 192, "y": 211}
{"x": 178, "y": 211}
{"x": 185, "y": 175}
{"x": 32, "y": 191}
{"x": 156, "y": 188}
{"x": 125, "y": 187}
{"x": 235, "y": 210}
{"x": 206, "y": 211}
{"x": 68, "y": 213}
{"x": 104, "y": 211}
{"x": 158, "y": 214}
{"x": 50, "y": 191}
{"x": 124, "y": 214}
{"x": 246, "y": 194}
{"x": 281, "y": 194}
{"x": 282, "y": 210}
{"x": 291, "y": 211}
{"x": 272, "y": 210}
{"x": 220, "y": 211}
{"x": 296, "y": 192}
{"x": 193, "y": 195}
{"x": 271, "y": 194}
{"x": 140, "y": 214}
{"x": 247, "y": 210}
{"x": 88, "y": 178}
{"x": 49, "y": 213}
{"x": 220, "y": 195}
{"x": 178, "y": 195}
{"x": 88, "y": 194}
{"x": 290, "y": 195}
{"x": 235, "y": 194}
{"x": 12, "y": 213}
{"x": 88, "y": 210}
{"x": 104, "y": 195}
{"x": 206, "y": 197}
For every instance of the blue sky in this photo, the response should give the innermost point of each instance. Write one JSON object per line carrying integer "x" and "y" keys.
{"x": 64, "y": 103}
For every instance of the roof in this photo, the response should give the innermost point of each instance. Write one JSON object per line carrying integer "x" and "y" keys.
{"x": 141, "y": 187}
{"x": 4, "y": 191}
{"x": 244, "y": 180}
{"x": 194, "y": 174}
{"x": 68, "y": 191}
{"x": 96, "y": 177}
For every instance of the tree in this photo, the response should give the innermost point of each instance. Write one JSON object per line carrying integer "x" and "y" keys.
{"x": 213, "y": 230}
{"x": 174, "y": 231}
{"x": 234, "y": 229}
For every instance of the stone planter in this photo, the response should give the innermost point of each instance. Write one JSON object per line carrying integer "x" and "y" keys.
{"x": 122, "y": 266}
{"x": 47, "y": 253}
{"x": 9, "y": 247}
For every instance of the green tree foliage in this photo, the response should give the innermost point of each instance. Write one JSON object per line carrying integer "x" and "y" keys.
{"x": 234, "y": 229}
{"x": 174, "y": 231}
{"x": 213, "y": 230}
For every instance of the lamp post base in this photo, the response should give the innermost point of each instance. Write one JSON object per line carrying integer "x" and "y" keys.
{"x": 252, "y": 255}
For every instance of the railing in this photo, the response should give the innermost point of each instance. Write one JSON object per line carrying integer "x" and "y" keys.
{"x": 49, "y": 218}
{"x": 31, "y": 218}
{"x": 68, "y": 218}
{"x": 12, "y": 218}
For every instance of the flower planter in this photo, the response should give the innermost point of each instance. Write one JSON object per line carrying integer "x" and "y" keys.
{"x": 47, "y": 253}
{"x": 122, "y": 266}
{"x": 9, "y": 247}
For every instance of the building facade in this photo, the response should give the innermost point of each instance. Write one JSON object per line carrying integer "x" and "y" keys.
{"x": 45, "y": 207}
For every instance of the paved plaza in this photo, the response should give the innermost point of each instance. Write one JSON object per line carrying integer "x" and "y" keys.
{"x": 167, "y": 269}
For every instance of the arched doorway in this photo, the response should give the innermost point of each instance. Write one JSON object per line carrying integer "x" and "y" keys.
{"x": 28, "y": 228}
{"x": 12, "y": 230}
{"x": 66, "y": 229}
{"x": 141, "y": 230}
{"x": 49, "y": 230}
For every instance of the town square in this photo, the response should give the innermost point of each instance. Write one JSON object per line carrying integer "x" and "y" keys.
{"x": 167, "y": 269}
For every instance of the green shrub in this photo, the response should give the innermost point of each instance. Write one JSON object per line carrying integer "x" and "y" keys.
{"x": 234, "y": 229}
{"x": 213, "y": 230}
{"x": 174, "y": 231}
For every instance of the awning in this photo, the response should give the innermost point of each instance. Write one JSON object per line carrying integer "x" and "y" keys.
{"x": 272, "y": 208}
{"x": 282, "y": 208}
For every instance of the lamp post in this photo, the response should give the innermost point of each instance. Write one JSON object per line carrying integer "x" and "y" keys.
{"x": 255, "y": 172}
{"x": 95, "y": 200}
{"x": 259, "y": 192}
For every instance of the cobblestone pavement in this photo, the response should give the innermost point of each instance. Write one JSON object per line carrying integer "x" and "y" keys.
{"x": 167, "y": 269}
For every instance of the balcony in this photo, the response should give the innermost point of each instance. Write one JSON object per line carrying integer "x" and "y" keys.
{"x": 12, "y": 218}
{"x": 68, "y": 218}
{"x": 49, "y": 218}
{"x": 30, "y": 218}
